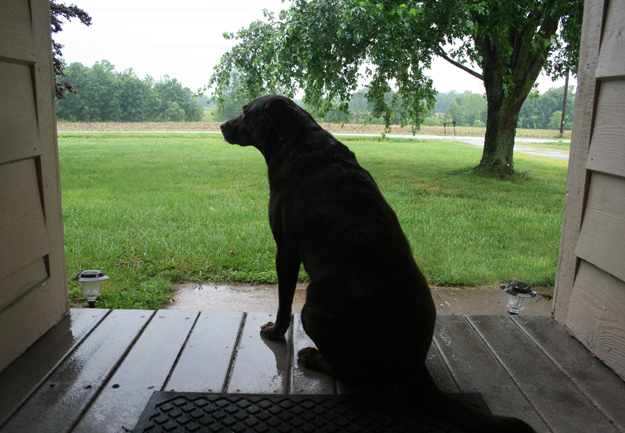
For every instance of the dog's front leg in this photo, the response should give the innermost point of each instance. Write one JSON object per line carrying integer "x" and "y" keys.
{"x": 287, "y": 268}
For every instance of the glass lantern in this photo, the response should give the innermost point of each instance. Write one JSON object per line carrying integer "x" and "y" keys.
{"x": 91, "y": 284}
{"x": 518, "y": 293}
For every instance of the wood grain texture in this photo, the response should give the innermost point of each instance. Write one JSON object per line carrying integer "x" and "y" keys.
{"x": 439, "y": 371}
{"x": 22, "y": 281}
{"x": 612, "y": 56}
{"x": 144, "y": 370}
{"x": 546, "y": 387}
{"x": 62, "y": 398}
{"x": 205, "y": 360}
{"x": 602, "y": 237}
{"x": 261, "y": 366}
{"x": 21, "y": 378}
{"x": 23, "y": 233}
{"x": 19, "y": 131}
{"x": 23, "y": 322}
{"x": 16, "y": 32}
{"x": 524, "y": 366}
{"x": 607, "y": 147}
{"x": 597, "y": 315}
{"x": 28, "y": 133}
{"x": 590, "y": 375}
{"x": 475, "y": 368}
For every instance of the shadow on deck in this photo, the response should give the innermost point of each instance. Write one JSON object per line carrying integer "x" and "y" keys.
{"x": 96, "y": 370}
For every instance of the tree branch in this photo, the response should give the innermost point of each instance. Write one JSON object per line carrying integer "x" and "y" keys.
{"x": 442, "y": 54}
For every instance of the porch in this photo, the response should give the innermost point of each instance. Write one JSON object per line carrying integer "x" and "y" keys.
{"x": 96, "y": 369}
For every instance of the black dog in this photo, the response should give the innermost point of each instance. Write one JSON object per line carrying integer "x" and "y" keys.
{"x": 368, "y": 307}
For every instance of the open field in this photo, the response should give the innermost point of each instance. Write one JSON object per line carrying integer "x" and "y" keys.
{"x": 153, "y": 209}
{"x": 334, "y": 128}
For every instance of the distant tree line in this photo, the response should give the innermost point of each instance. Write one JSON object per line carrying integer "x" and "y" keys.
{"x": 545, "y": 111}
{"x": 105, "y": 95}
{"x": 539, "y": 111}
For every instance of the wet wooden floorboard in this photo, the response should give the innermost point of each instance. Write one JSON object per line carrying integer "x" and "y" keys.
{"x": 96, "y": 370}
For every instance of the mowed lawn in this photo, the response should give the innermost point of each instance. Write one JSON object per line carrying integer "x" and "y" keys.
{"x": 153, "y": 209}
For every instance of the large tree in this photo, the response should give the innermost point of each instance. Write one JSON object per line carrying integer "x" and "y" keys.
{"x": 327, "y": 47}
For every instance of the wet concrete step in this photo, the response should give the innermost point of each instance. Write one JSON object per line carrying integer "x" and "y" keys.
{"x": 264, "y": 297}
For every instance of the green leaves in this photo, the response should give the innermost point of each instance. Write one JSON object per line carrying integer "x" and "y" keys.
{"x": 330, "y": 48}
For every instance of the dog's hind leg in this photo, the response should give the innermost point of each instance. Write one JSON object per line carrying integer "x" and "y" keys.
{"x": 287, "y": 268}
{"x": 312, "y": 359}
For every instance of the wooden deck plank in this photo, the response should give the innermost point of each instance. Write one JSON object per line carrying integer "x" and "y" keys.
{"x": 21, "y": 378}
{"x": 563, "y": 407}
{"x": 204, "y": 362}
{"x": 304, "y": 381}
{"x": 475, "y": 369}
{"x": 223, "y": 352}
{"x": 58, "y": 404}
{"x": 439, "y": 371}
{"x": 144, "y": 370}
{"x": 591, "y": 376}
{"x": 260, "y": 366}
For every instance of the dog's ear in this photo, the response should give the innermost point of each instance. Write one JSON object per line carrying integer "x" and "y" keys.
{"x": 283, "y": 116}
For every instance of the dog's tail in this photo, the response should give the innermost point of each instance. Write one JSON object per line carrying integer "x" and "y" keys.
{"x": 465, "y": 415}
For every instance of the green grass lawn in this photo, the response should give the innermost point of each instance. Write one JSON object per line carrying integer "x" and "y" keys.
{"x": 152, "y": 209}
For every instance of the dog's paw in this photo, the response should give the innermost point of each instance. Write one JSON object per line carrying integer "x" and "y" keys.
{"x": 272, "y": 332}
{"x": 308, "y": 357}
{"x": 312, "y": 359}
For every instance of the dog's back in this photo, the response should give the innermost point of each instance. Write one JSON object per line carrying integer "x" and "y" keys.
{"x": 366, "y": 292}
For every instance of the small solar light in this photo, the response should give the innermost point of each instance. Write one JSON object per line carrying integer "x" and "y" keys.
{"x": 91, "y": 284}
{"x": 518, "y": 293}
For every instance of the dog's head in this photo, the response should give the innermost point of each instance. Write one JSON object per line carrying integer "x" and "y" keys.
{"x": 266, "y": 123}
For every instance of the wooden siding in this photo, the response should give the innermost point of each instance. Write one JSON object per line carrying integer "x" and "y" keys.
{"x": 590, "y": 288}
{"x": 96, "y": 370}
{"x": 597, "y": 313}
{"x": 580, "y": 142}
{"x": 607, "y": 149}
{"x": 33, "y": 280}
{"x": 602, "y": 236}
{"x": 611, "y": 64}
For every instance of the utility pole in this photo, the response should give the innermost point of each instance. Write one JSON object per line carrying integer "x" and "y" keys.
{"x": 566, "y": 91}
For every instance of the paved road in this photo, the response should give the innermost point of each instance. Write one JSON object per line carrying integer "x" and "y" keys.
{"x": 479, "y": 141}
{"x": 549, "y": 153}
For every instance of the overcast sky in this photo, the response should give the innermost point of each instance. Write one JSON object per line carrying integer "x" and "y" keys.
{"x": 183, "y": 39}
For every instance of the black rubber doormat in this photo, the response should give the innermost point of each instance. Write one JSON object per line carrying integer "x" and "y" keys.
{"x": 238, "y": 413}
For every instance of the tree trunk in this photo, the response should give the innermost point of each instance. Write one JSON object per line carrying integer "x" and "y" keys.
{"x": 508, "y": 79}
{"x": 504, "y": 104}
{"x": 501, "y": 122}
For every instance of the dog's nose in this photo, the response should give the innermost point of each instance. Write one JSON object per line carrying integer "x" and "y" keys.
{"x": 222, "y": 125}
